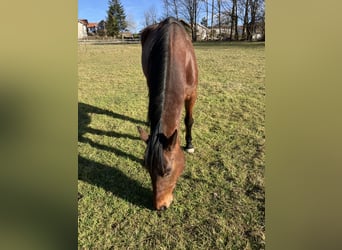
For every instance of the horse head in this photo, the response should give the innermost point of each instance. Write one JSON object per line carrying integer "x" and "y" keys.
{"x": 164, "y": 160}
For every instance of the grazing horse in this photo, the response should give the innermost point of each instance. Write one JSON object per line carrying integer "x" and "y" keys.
{"x": 170, "y": 68}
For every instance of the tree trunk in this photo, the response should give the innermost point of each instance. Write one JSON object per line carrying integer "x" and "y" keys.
{"x": 236, "y": 35}
{"x": 251, "y": 26}
{"x": 166, "y": 7}
{"x": 219, "y": 16}
{"x": 245, "y": 21}
{"x": 232, "y": 20}
{"x": 175, "y": 8}
{"x": 207, "y": 12}
{"x": 212, "y": 20}
{"x": 195, "y": 21}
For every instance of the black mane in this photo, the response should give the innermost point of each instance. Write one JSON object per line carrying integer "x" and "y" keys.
{"x": 157, "y": 76}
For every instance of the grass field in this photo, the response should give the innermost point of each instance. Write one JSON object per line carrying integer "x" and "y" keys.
{"x": 220, "y": 198}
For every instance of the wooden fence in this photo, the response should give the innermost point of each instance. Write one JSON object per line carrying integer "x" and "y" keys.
{"x": 108, "y": 41}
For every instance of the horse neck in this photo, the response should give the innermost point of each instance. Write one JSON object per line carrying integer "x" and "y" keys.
{"x": 166, "y": 79}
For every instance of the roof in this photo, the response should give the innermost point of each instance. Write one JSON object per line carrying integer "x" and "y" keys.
{"x": 83, "y": 21}
{"x": 202, "y": 26}
{"x": 91, "y": 25}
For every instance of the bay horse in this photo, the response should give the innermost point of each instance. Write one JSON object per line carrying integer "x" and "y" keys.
{"x": 170, "y": 68}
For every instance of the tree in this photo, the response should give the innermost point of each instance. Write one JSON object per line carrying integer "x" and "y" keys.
{"x": 116, "y": 18}
{"x": 150, "y": 16}
{"x": 166, "y": 5}
{"x": 234, "y": 23}
{"x": 131, "y": 24}
{"x": 204, "y": 21}
{"x": 101, "y": 28}
{"x": 206, "y": 18}
{"x": 212, "y": 19}
{"x": 189, "y": 9}
{"x": 233, "y": 16}
{"x": 251, "y": 28}
{"x": 219, "y": 16}
{"x": 245, "y": 19}
{"x": 171, "y": 8}
{"x": 175, "y": 8}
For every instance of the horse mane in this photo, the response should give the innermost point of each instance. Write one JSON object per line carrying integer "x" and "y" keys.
{"x": 154, "y": 151}
{"x": 157, "y": 76}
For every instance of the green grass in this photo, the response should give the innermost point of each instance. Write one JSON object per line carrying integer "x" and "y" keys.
{"x": 219, "y": 200}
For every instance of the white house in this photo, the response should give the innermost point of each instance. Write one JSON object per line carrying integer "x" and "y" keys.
{"x": 82, "y": 30}
{"x": 202, "y": 32}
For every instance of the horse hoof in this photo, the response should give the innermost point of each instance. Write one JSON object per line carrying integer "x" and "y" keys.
{"x": 190, "y": 150}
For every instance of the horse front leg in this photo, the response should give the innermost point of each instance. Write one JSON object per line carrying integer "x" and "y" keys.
{"x": 189, "y": 121}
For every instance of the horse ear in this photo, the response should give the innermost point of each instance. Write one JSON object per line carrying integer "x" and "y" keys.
{"x": 143, "y": 135}
{"x": 171, "y": 141}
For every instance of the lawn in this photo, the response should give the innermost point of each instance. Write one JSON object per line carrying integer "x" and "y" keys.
{"x": 219, "y": 201}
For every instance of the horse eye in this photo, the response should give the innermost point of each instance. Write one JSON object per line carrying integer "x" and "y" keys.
{"x": 167, "y": 171}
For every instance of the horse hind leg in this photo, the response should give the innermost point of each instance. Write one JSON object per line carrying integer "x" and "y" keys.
{"x": 189, "y": 121}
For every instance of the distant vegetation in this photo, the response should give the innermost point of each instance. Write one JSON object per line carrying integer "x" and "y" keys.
{"x": 116, "y": 19}
{"x": 222, "y": 19}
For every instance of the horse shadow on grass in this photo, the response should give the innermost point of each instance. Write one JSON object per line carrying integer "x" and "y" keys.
{"x": 107, "y": 177}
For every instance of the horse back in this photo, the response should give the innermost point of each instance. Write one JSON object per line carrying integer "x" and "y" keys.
{"x": 169, "y": 64}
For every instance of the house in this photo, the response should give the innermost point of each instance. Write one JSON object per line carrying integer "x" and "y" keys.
{"x": 223, "y": 32}
{"x": 92, "y": 28}
{"x": 202, "y": 32}
{"x": 126, "y": 35}
{"x": 86, "y": 28}
{"x": 82, "y": 28}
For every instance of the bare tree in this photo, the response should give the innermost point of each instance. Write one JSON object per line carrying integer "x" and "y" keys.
{"x": 250, "y": 14}
{"x": 175, "y": 8}
{"x": 235, "y": 20}
{"x": 219, "y": 16}
{"x": 189, "y": 10}
{"x": 234, "y": 30}
{"x": 206, "y": 4}
{"x": 212, "y": 19}
{"x": 166, "y": 5}
{"x": 150, "y": 16}
{"x": 245, "y": 19}
{"x": 131, "y": 24}
{"x": 207, "y": 11}
{"x": 252, "y": 24}
{"x": 261, "y": 17}
{"x": 171, "y": 8}
{"x": 232, "y": 13}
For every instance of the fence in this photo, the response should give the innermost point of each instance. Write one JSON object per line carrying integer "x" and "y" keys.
{"x": 108, "y": 41}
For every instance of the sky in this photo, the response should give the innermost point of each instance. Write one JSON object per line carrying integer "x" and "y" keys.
{"x": 96, "y": 10}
